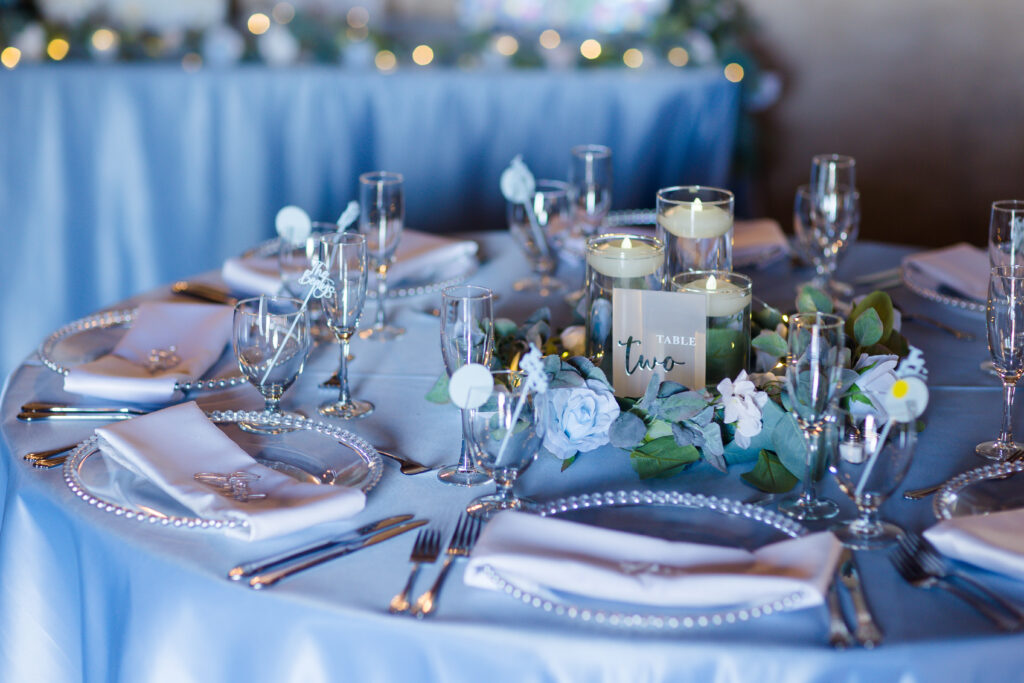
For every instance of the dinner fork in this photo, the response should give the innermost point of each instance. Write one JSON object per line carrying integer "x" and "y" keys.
{"x": 913, "y": 572}
{"x": 467, "y": 529}
{"x": 424, "y": 551}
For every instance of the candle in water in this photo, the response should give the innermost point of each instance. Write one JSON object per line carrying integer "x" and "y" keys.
{"x": 627, "y": 259}
{"x": 723, "y": 297}
{"x": 696, "y": 221}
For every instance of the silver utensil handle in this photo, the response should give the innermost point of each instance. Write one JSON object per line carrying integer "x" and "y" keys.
{"x": 35, "y": 417}
{"x": 270, "y": 578}
{"x": 997, "y": 617}
{"x": 867, "y": 632}
{"x": 991, "y": 595}
{"x": 246, "y": 570}
{"x": 839, "y": 635}
{"x": 426, "y": 603}
{"x": 918, "y": 494}
{"x": 400, "y": 603}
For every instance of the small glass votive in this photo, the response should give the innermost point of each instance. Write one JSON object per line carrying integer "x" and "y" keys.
{"x": 728, "y": 297}
{"x": 695, "y": 223}
{"x": 616, "y": 261}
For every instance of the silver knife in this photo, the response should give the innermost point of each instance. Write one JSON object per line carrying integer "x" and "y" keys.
{"x": 839, "y": 635}
{"x": 198, "y": 290}
{"x": 39, "y": 407}
{"x": 270, "y": 578}
{"x": 867, "y": 632}
{"x": 248, "y": 569}
{"x": 38, "y": 416}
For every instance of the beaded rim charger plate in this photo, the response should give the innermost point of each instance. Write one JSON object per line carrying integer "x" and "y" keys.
{"x": 991, "y": 488}
{"x": 53, "y": 355}
{"x": 736, "y": 524}
{"x": 315, "y": 452}
{"x": 925, "y": 287}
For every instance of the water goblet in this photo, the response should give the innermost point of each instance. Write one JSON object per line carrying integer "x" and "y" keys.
{"x": 344, "y": 256}
{"x": 1006, "y": 233}
{"x": 381, "y": 218}
{"x": 822, "y": 243}
{"x": 869, "y": 460}
{"x": 812, "y": 378}
{"x": 551, "y": 211}
{"x": 590, "y": 186}
{"x": 1005, "y": 318}
{"x": 271, "y": 341}
{"x": 467, "y": 336}
{"x": 506, "y": 433}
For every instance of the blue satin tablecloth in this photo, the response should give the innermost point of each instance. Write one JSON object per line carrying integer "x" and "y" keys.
{"x": 116, "y": 178}
{"x": 87, "y": 596}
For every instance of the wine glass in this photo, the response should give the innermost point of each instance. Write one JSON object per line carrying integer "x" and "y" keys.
{"x": 1006, "y": 233}
{"x": 551, "y": 212}
{"x": 344, "y": 255}
{"x": 506, "y": 433}
{"x": 821, "y": 247}
{"x": 467, "y": 336}
{"x": 812, "y": 378}
{"x": 271, "y": 341}
{"x": 382, "y": 214}
{"x": 293, "y": 259}
{"x": 869, "y": 460}
{"x": 590, "y": 186}
{"x": 1005, "y": 314}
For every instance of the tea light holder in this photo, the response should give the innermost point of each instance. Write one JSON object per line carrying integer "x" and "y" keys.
{"x": 728, "y": 298}
{"x": 696, "y": 225}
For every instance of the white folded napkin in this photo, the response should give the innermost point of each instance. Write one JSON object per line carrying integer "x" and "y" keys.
{"x": 198, "y": 333}
{"x": 538, "y": 553}
{"x": 992, "y": 541}
{"x": 252, "y": 275}
{"x": 434, "y": 257}
{"x": 169, "y": 447}
{"x": 962, "y": 268}
{"x": 758, "y": 241}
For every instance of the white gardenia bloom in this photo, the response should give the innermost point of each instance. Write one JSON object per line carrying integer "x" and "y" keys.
{"x": 877, "y": 375}
{"x": 742, "y": 403}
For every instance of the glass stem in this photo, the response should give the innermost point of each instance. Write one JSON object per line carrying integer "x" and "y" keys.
{"x": 504, "y": 480}
{"x": 1006, "y": 433}
{"x": 271, "y": 404}
{"x": 343, "y": 392}
{"x": 811, "y": 434}
{"x": 465, "y": 460}
{"x": 382, "y": 293}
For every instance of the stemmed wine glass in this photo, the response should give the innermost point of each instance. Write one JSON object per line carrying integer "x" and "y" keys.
{"x": 1005, "y": 314}
{"x": 381, "y": 217}
{"x": 1006, "y": 233}
{"x": 821, "y": 247}
{"x": 590, "y": 186}
{"x": 834, "y": 214}
{"x": 271, "y": 341}
{"x": 552, "y": 215}
{"x": 344, "y": 255}
{"x": 506, "y": 433}
{"x": 467, "y": 336}
{"x": 294, "y": 259}
{"x": 812, "y": 378}
{"x": 869, "y": 461}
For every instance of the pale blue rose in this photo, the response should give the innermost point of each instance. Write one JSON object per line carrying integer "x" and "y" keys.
{"x": 578, "y": 418}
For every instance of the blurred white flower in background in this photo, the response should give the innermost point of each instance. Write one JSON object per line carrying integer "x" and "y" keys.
{"x": 278, "y": 47}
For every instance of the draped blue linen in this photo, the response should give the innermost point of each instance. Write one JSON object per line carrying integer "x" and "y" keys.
{"x": 86, "y": 596}
{"x": 116, "y": 178}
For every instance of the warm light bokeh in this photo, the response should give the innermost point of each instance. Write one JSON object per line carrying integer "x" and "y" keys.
{"x": 633, "y": 58}
{"x": 258, "y": 23}
{"x": 385, "y": 60}
{"x": 423, "y": 55}
{"x": 57, "y": 49}
{"x": 678, "y": 56}
{"x": 733, "y": 72}
{"x": 10, "y": 56}
{"x": 590, "y": 48}
{"x": 550, "y": 39}
{"x": 506, "y": 45}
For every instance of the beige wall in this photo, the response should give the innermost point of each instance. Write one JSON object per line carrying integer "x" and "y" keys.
{"x": 928, "y": 95}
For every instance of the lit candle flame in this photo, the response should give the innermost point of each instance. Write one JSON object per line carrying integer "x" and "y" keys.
{"x": 712, "y": 283}
{"x": 697, "y": 205}
{"x": 626, "y": 244}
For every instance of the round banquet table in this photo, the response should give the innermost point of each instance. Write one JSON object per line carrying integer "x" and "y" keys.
{"x": 88, "y": 596}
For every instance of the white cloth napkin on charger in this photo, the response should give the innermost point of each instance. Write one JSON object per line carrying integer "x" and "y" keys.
{"x": 170, "y": 446}
{"x": 538, "y": 553}
{"x": 758, "y": 241}
{"x": 961, "y": 267}
{"x": 252, "y": 275}
{"x": 198, "y": 333}
{"x": 992, "y": 541}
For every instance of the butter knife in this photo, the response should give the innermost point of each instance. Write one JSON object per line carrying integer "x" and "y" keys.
{"x": 264, "y": 580}
{"x": 198, "y": 290}
{"x": 867, "y": 632}
{"x": 39, "y": 407}
{"x": 38, "y": 416}
{"x": 248, "y": 569}
{"x": 839, "y": 635}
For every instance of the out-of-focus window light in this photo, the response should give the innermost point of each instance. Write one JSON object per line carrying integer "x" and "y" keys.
{"x": 358, "y": 17}
{"x": 103, "y": 39}
{"x": 550, "y": 39}
{"x": 10, "y": 56}
{"x": 733, "y": 72}
{"x": 258, "y": 23}
{"x": 191, "y": 62}
{"x": 57, "y": 49}
{"x": 506, "y": 45}
{"x": 423, "y": 55}
{"x": 678, "y": 56}
{"x": 633, "y": 58}
{"x": 385, "y": 60}
{"x": 283, "y": 12}
{"x": 590, "y": 48}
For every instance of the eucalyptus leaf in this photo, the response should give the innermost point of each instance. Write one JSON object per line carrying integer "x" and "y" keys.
{"x": 627, "y": 431}
{"x": 705, "y": 416}
{"x": 684, "y": 436}
{"x": 650, "y": 394}
{"x": 882, "y": 305}
{"x": 867, "y": 329}
{"x": 439, "y": 392}
{"x": 789, "y": 444}
{"x": 770, "y": 475}
{"x": 658, "y": 429}
{"x": 713, "y": 450}
{"x": 542, "y": 314}
{"x": 503, "y": 327}
{"x": 771, "y": 343}
{"x": 670, "y": 388}
{"x": 662, "y": 457}
{"x": 767, "y": 317}
{"x": 679, "y": 406}
{"x": 811, "y": 299}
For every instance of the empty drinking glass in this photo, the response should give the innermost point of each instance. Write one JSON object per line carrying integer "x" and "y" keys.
{"x": 551, "y": 215}
{"x": 1005, "y": 316}
{"x": 1006, "y": 233}
{"x": 590, "y": 186}
{"x": 381, "y": 218}
{"x": 821, "y": 243}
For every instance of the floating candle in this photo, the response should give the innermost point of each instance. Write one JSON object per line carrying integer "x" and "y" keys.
{"x": 695, "y": 220}
{"x": 626, "y": 258}
{"x": 723, "y": 297}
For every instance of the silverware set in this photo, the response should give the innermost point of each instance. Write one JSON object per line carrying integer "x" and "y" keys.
{"x": 424, "y": 551}
{"x": 467, "y": 530}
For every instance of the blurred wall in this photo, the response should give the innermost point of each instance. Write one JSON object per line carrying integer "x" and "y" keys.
{"x": 928, "y": 95}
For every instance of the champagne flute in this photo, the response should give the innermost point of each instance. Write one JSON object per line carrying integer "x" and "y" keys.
{"x": 820, "y": 247}
{"x": 467, "y": 336}
{"x": 1006, "y": 233}
{"x": 271, "y": 341}
{"x": 344, "y": 255}
{"x": 294, "y": 259}
{"x": 551, "y": 211}
{"x": 1005, "y": 314}
{"x": 506, "y": 434}
{"x": 381, "y": 217}
{"x": 590, "y": 186}
{"x": 812, "y": 379}
{"x": 834, "y": 211}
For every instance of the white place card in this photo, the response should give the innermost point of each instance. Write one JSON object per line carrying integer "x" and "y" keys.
{"x": 657, "y": 332}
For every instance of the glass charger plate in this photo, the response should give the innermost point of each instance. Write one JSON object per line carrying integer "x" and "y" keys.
{"x": 925, "y": 287}
{"x": 673, "y": 516}
{"x": 317, "y": 453}
{"x": 88, "y": 338}
{"x": 981, "y": 491}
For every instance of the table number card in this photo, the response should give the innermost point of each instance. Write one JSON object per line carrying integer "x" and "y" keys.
{"x": 657, "y": 332}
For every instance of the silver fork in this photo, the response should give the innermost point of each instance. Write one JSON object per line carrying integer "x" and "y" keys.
{"x": 467, "y": 529}
{"x": 425, "y": 550}
{"x": 913, "y": 572}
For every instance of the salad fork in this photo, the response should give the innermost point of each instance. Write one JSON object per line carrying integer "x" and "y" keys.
{"x": 467, "y": 529}
{"x": 424, "y": 551}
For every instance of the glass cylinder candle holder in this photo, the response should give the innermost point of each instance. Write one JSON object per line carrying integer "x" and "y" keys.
{"x": 695, "y": 223}
{"x": 728, "y": 297}
{"x": 617, "y": 261}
